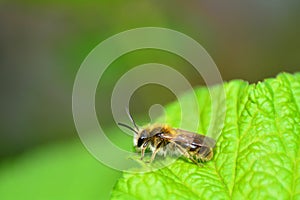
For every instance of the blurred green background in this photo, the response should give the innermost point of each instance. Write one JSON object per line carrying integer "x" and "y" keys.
{"x": 42, "y": 44}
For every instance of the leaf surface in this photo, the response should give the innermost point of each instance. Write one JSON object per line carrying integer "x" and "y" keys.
{"x": 256, "y": 155}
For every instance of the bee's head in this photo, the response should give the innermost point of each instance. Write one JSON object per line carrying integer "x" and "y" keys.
{"x": 140, "y": 138}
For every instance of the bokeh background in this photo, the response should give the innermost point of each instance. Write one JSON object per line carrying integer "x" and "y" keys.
{"x": 42, "y": 44}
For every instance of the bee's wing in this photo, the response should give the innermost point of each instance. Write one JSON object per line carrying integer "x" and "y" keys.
{"x": 190, "y": 139}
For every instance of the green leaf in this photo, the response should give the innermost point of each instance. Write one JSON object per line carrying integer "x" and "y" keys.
{"x": 60, "y": 171}
{"x": 257, "y": 155}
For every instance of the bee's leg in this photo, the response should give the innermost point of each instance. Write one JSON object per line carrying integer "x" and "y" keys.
{"x": 188, "y": 155}
{"x": 157, "y": 148}
{"x": 195, "y": 161}
{"x": 144, "y": 147}
{"x": 143, "y": 153}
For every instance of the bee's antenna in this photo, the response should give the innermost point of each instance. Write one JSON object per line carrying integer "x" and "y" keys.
{"x": 125, "y": 125}
{"x": 131, "y": 119}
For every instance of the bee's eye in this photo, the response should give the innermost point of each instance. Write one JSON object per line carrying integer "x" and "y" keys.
{"x": 140, "y": 142}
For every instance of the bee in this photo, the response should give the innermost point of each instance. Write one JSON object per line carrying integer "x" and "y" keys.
{"x": 164, "y": 140}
